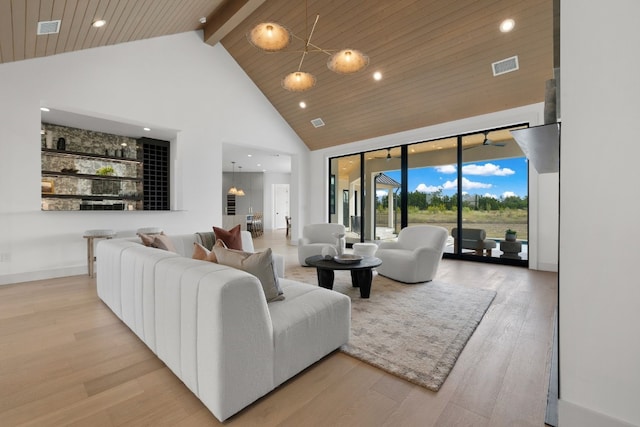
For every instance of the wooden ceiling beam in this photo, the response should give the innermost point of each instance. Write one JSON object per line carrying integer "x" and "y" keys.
{"x": 224, "y": 19}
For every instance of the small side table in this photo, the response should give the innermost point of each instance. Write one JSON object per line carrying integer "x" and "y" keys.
{"x": 91, "y": 235}
{"x": 510, "y": 249}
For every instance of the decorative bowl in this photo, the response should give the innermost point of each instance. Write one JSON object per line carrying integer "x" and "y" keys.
{"x": 347, "y": 259}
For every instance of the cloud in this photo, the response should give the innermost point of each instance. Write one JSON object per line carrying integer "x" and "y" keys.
{"x": 493, "y": 196}
{"x": 447, "y": 169}
{"x": 466, "y": 184}
{"x": 423, "y": 188}
{"x": 381, "y": 193}
{"x": 488, "y": 169}
{"x": 508, "y": 194}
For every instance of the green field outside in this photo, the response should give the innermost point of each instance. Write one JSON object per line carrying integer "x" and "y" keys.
{"x": 494, "y": 222}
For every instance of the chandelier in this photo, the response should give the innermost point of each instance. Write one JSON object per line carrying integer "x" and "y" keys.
{"x": 273, "y": 37}
{"x": 233, "y": 190}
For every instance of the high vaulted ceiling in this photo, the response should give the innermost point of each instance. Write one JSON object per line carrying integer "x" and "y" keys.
{"x": 435, "y": 55}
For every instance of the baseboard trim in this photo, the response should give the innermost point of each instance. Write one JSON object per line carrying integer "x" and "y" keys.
{"x": 10, "y": 279}
{"x": 572, "y": 415}
{"x": 547, "y": 266}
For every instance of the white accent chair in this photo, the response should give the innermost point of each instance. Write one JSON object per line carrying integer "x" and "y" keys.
{"x": 415, "y": 257}
{"x": 316, "y": 237}
{"x": 365, "y": 249}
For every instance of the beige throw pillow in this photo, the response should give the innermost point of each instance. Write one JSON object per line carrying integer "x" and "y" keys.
{"x": 160, "y": 241}
{"x": 147, "y": 239}
{"x": 204, "y": 254}
{"x": 260, "y": 264}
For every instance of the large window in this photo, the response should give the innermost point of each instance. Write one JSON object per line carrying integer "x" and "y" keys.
{"x": 345, "y": 196}
{"x": 473, "y": 185}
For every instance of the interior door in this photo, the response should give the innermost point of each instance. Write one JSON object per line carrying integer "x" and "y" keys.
{"x": 280, "y": 205}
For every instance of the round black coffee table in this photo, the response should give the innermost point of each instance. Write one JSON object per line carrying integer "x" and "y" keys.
{"x": 361, "y": 273}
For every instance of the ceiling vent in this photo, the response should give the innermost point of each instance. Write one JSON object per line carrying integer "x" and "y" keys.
{"x": 505, "y": 66}
{"x": 48, "y": 27}
{"x": 317, "y": 122}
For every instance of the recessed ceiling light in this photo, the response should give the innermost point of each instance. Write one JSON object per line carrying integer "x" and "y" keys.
{"x": 303, "y": 104}
{"x": 99, "y": 23}
{"x": 249, "y": 155}
{"x": 258, "y": 165}
{"x": 44, "y": 109}
{"x": 507, "y": 25}
{"x": 203, "y": 20}
{"x": 377, "y": 75}
{"x": 146, "y": 129}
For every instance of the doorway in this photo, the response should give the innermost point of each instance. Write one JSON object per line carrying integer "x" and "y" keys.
{"x": 280, "y": 205}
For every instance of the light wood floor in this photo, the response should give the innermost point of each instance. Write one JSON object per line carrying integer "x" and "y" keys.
{"x": 65, "y": 359}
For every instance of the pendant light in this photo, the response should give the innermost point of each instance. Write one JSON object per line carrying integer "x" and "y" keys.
{"x": 233, "y": 190}
{"x": 273, "y": 37}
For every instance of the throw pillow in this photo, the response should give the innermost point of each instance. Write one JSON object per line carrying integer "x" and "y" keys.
{"x": 147, "y": 239}
{"x": 160, "y": 241}
{"x": 207, "y": 238}
{"x": 204, "y": 254}
{"x": 260, "y": 264}
{"x": 232, "y": 238}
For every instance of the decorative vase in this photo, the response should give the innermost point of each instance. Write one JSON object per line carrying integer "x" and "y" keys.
{"x": 510, "y": 237}
{"x": 49, "y": 139}
{"x": 328, "y": 252}
{"x": 339, "y": 247}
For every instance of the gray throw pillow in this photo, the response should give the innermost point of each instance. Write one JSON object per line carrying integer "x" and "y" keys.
{"x": 260, "y": 264}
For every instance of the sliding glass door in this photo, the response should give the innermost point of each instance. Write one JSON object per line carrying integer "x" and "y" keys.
{"x": 345, "y": 195}
{"x": 432, "y": 189}
{"x": 474, "y": 185}
{"x": 382, "y": 196}
{"x": 494, "y": 190}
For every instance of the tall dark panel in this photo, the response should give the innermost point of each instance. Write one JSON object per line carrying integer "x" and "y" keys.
{"x": 155, "y": 158}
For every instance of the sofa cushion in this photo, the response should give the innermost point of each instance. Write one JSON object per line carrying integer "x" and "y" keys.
{"x": 231, "y": 238}
{"x": 309, "y": 324}
{"x": 260, "y": 264}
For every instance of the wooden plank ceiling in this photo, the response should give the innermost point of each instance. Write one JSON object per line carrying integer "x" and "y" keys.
{"x": 127, "y": 20}
{"x": 435, "y": 55}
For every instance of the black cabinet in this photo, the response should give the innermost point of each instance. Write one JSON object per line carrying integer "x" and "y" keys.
{"x": 156, "y": 161}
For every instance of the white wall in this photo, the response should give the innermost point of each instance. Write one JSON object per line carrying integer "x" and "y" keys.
{"x": 599, "y": 232}
{"x": 175, "y": 82}
{"x": 543, "y": 189}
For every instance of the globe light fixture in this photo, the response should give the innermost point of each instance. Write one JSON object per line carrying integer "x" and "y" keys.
{"x": 273, "y": 37}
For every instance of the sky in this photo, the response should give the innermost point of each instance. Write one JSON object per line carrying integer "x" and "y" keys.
{"x": 498, "y": 178}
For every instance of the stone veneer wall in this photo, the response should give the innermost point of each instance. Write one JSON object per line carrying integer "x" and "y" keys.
{"x": 91, "y": 142}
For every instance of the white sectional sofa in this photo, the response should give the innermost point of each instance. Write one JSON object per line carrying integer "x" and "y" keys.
{"x": 211, "y": 324}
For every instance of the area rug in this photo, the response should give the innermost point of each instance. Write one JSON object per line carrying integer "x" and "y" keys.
{"x": 415, "y": 332}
